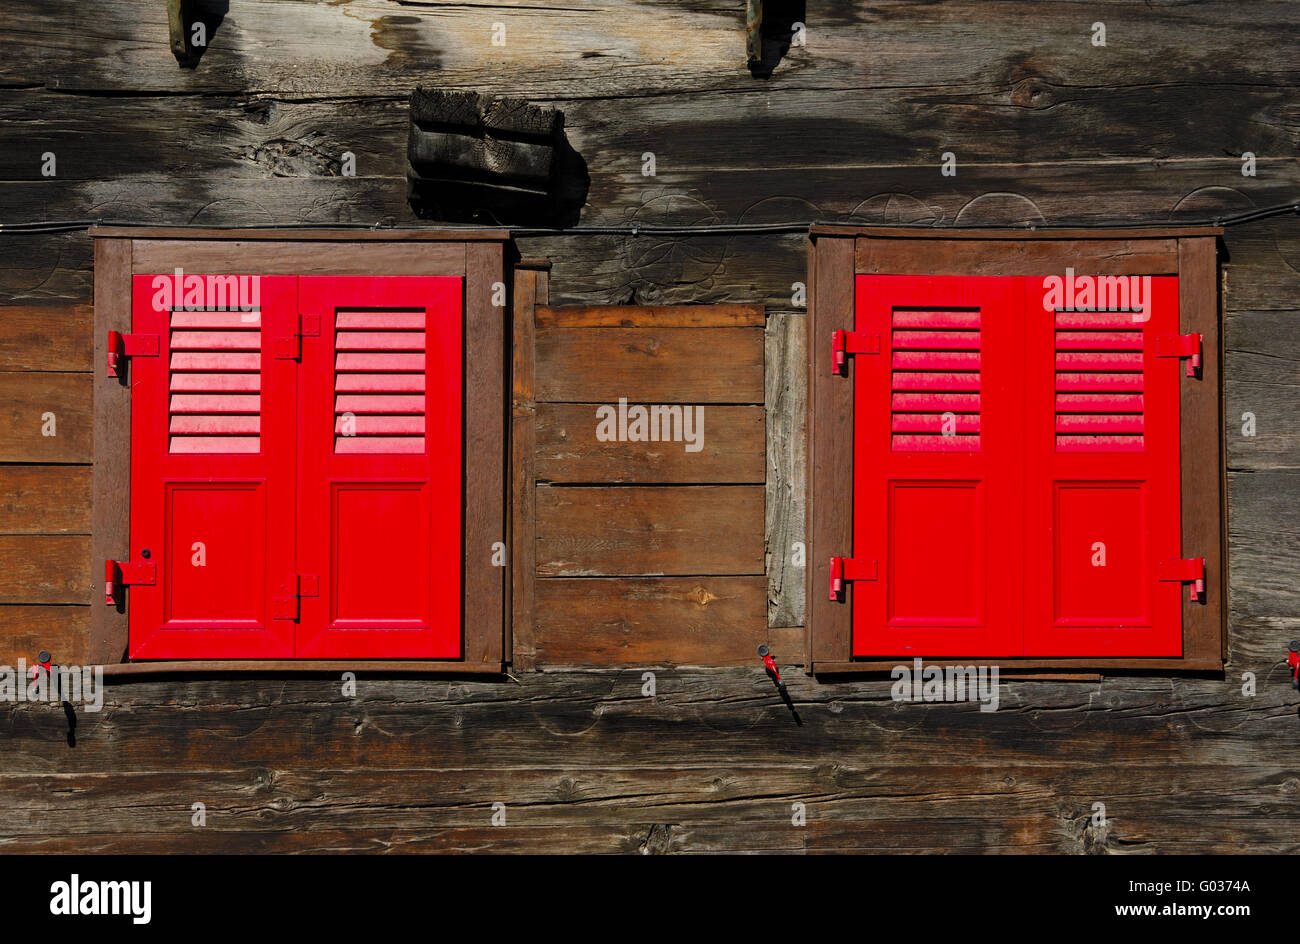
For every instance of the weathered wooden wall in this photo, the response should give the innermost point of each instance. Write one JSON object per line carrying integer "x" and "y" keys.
{"x": 1045, "y": 126}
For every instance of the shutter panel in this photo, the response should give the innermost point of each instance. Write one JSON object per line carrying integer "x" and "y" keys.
{"x": 1102, "y": 489}
{"x": 937, "y": 465}
{"x": 212, "y": 478}
{"x": 380, "y": 511}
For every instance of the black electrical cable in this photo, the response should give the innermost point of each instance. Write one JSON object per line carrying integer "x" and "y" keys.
{"x": 648, "y": 229}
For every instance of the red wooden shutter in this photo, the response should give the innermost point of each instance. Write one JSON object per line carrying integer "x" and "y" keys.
{"x": 212, "y": 477}
{"x": 937, "y": 466}
{"x": 1102, "y": 484}
{"x": 380, "y": 507}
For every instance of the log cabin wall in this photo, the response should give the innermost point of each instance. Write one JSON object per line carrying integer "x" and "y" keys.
{"x": 851, "y": 125}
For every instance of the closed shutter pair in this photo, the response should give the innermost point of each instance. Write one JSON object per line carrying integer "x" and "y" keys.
{"x": 1016, "y": 471}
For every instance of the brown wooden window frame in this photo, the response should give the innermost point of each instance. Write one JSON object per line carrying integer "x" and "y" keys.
{"x": 838, "y": 254}
{"x": 478, "y": 257}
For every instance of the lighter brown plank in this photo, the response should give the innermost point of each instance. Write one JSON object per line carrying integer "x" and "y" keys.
{"x": 652, "y": 316}
{"x": 28, "y": 399}
{"x": 650, "y": 365}
{"x": 44, "y": 569}
{"x": 651, "y": 620}
{"x": 46, "y": 337}
{"x": 50, "y": 499}
{"x": 1016, "y": 257}
{"x": 688, "y": 530}
{"x": 63, "y": 631}
{"x": 730, "y": 440}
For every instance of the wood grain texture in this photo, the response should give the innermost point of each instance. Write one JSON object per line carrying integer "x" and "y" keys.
{"x": 41, "y": 568}
{"x": 649, "y": 316}
{"x": 709, "y": 716}
{"x": 893, "y": 256}
{"x": 786, "y": 409}
{"x": 45, "y": 499}
{"x": 46, "y": 337}
{"x": 312, "y": 235}
{"x": 830, "y": 452}
{"x": 530, "y": 289}
{"x": 652, "y": 621}
{"x": 637, "y": 530}
{"x": 111, "y": 479}
{"x": 28, "y": 400}
{"x": 62, "y": 631}
{"x": 730, "y": 440}
{"x": 1264, "y": 557}
{"x": 663, "y": 365}
{"x": 486, "y": 455}
{"x": 297, "y": 257}
{"x": 1203, "y": 491}
{"x": 1261, "y": 374}
{"x": 300, "y": 47}
{"x": 711, "y": 760}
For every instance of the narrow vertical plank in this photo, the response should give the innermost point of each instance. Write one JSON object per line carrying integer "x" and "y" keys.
{"x": 830, "y": 449}
{"x": 485, "y": 454}
{"x": 111, "y": 479}
{"x": 1203, "y": 461}
{"x": 785, "y": 375}
{"x": 532, "y": 284}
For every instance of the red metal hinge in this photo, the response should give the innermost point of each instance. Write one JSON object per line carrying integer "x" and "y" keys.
{"x": 129, "y": 345}
{"x": 285, "y": 607}
{"x": 1181, "y": 345}
{"x": 1188, "y": 570}
{"x": 121, "y": 573}
{"x": 844, "y": 343}
{"x": 290, "y": 348}
{"x": 849, "y": 568}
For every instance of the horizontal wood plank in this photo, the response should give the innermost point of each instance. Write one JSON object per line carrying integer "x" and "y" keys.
{"x": 633, "y": 530}
{"x": 652, "y": 316}
{"x": 711, "y": 716}
{"x": 729, "y": 440}
{"x": 668, "y": 365}
{"x": 34, "y": 404}
{"x": 653, "y": 620}
{"x": 51, "y": 499}
{"x": 62, "y": 631}
{"x": 46, "y": 337}
{"x": 45, "y": 569}
{"x": 1007, "y": 257}
{"x": 297, "y": 257}
{"x": 454, "y": 840}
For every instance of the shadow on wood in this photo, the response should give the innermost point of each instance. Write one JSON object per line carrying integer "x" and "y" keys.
{"x": 772, "y": 34}
{"x": 478, "y": 159}
{"x": 192, "y": 24}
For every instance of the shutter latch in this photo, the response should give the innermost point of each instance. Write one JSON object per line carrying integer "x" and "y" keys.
{"x": 129, "y": 345}
{"x": 844, "y": 343}
{"x": 121, "y": 573}
{"x": 849, "y": 568}
{"x": 1188, "y": 570}
{"x": 1181, "y": 345}
{"x": 285, "y": 607}
{"x": 290, "y": 348}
